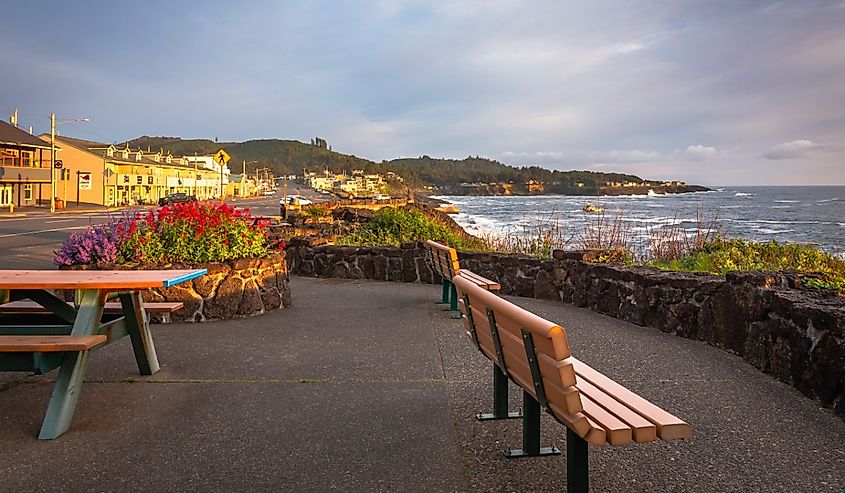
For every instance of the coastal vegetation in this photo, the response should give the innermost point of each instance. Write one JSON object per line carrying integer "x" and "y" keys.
{"x": 722, "y": 255}
{"x": 392, "y": 227}
{"x": 607, "y": 239}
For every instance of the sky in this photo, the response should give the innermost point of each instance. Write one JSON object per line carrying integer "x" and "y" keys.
{"x": 732, "y": 93}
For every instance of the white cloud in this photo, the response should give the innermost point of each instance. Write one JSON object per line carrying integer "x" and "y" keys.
{"x": 699, "y": 152}
{"x": 797, "y": 149}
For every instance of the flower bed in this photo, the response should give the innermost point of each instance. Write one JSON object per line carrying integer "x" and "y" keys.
{"x": 184, "y": 233}
{"x": 247, "y": 271}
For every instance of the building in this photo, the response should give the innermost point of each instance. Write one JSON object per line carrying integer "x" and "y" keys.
{"x": 105, "y": 174}
{"x": 25, "y": 167}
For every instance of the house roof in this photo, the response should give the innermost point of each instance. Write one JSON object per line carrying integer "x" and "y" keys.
{"x": 98, "y": 148}
{"x": 12, "y": 135}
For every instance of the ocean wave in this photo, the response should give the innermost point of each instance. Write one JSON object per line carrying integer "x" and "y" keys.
{"x": 745, "y": 194}
{"x": 824, "y": 201}
{"x": 787, "y": 201}
{"x": 768, "y": 231}
{"x": 781, "y": 207}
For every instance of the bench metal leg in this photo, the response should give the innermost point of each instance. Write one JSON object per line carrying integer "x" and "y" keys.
{"x": 500, "y": 399}
{"x": 65, "y": 395}
{"x": 139, "y": 333}
{"x": 577, "y": 467}
{"x": 530, "y": 432}
{"x": 445, "y": 296}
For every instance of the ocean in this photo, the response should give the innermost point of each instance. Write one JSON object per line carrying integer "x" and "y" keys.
{"x": 813, "y": 215}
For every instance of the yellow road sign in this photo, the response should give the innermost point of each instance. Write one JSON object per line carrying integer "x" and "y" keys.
{"x": 222, "y": 157}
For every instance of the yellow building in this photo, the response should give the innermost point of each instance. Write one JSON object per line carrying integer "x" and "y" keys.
{"x": 99, "y": 173}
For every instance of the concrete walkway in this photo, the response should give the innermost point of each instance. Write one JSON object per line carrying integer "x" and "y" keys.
{"x": 367, "y": 386}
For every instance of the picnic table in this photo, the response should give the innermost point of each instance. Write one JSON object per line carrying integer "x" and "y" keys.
{"x": 63, "y": 335}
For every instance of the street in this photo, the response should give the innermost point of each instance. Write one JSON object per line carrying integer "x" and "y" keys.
{"x": 28, "y": 240}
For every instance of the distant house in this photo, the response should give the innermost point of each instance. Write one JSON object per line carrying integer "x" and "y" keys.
{"x": 534, "y": 186}
{"x": 24, "y": 167}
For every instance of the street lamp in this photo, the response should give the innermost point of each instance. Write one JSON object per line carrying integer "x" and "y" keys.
{"x": 53, "y": 124}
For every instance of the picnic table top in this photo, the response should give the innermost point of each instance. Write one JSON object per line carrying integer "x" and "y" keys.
{"x": 95, "y": 279}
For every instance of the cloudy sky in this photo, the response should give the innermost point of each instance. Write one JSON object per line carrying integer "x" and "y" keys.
{"x": 709, "y": 92}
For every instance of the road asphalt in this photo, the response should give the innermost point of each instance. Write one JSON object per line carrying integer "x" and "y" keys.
{"x": 369, "y": 386}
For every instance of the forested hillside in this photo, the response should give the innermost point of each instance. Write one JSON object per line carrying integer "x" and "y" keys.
{"x": 291, "y": 157}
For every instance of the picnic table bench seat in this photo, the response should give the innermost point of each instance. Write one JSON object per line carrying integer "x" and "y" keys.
{"x": 49, "y": 343}
{"x": 534, "y": 353}
{"x": 444, "y": 259}
{"x": 28, "y": 306}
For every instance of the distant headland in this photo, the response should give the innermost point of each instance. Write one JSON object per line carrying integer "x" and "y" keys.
{"x": 472, "y": 175}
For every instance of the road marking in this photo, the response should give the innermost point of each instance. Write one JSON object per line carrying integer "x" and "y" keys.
{"x": 25, "y": 233}
{"x": 59, "y": 221}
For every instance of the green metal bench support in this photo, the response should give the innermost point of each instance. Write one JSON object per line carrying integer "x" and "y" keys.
{"x": 500, "y": 377}
{"x": 530, "y": 432}
{"x": 500, "y": 399}
{"x": 577, "y": 464}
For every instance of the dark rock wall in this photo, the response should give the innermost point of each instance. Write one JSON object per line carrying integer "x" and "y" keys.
{"x": 234, "y": 289}
{"x": 797, "y": 336}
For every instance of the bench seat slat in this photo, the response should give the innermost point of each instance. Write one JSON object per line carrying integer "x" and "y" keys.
{"x": 582, "y": 425}
{"x": 480, "y": 281}
{"x": 49, "y": 344}
{"x": 643, "y": 430}
{"x": 669, "y": 427}
{"x": 27, "y": 306}
{"x": 617, "y": 432}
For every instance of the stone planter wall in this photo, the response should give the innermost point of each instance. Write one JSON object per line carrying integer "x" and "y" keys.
{"x": 797, "y": 336}
{"x": 232, "y": 289}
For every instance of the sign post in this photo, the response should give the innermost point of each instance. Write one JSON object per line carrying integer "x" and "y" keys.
{"x": 83, "y": 182}
{"x": 222, "y": 157}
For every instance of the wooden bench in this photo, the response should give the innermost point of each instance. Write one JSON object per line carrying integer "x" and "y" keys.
{"x": 27, "y": 306}
{"x": 49, "y": 343}
{"x": 534, "y": 354}
{"x": 444, "y": 259}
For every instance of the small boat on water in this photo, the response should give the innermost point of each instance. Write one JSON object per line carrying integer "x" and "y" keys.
{"x": 593, "y": 208}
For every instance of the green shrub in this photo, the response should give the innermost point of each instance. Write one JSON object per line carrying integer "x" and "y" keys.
{"x": 392, "y": 227}
{"x": 722, "y": 255}
{"x": 315, "y": 211}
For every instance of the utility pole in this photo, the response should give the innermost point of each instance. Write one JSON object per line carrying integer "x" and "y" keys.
{"x": 52, "y": 162}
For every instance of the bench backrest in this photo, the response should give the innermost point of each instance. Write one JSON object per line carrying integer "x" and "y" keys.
{"x": 444, "y": 259}
{"x": 531, "y": 350}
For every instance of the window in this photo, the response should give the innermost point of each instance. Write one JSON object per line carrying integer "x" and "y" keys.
{"x": 8, "y": 157}
{"x": 27, "y": 192}
{"x": 26, "y": 158}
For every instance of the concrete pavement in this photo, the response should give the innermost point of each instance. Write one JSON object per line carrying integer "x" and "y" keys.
{"x": 368, "y": 386}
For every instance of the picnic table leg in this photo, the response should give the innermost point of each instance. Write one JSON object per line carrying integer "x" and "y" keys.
{"x": 68, "y": 385}
{"x": 139, "y": 333}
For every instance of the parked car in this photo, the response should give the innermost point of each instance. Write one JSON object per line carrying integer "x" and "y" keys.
{"x": 176, "y": 198}
{"x": 382, "y": 196}
{"x": 268, "y": 193}
{"x": 296, "y": 200}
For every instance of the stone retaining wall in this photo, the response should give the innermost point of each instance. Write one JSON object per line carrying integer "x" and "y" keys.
{"x": 232, "y": 289}
{"x": 795, "y": 335}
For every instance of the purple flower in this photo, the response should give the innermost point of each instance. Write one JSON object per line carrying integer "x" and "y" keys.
{"x": 96, "y": 245}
